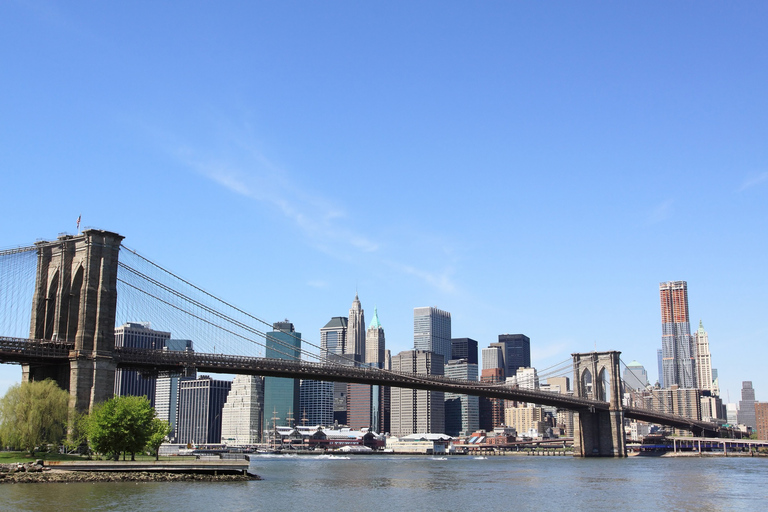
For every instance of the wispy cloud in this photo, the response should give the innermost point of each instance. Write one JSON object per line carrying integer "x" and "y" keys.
{"x": 441, "y": 281}
{"x": 661, "y": 212}
{"x": 753, "y": 181}
{"x": 246, "y": 171}
{"x": 255, "y": 177}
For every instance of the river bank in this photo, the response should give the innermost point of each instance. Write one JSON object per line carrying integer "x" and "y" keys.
{"x": 34, "y": 472}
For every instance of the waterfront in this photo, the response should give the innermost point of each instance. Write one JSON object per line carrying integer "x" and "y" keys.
{"x": 425, "y": 483}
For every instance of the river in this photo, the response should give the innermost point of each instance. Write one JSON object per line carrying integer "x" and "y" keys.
{"x": 460, "y": 483}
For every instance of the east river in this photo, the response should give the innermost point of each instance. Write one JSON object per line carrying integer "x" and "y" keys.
{"x": 460, "y": 483}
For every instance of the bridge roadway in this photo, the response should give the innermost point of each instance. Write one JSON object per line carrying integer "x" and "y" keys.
{"x": 20, "y": 350}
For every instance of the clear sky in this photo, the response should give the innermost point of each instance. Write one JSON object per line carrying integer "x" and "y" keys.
{"x": 531, "y": 167}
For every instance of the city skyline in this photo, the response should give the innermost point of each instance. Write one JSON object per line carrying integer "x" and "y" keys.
{"x": 515, "y": 164}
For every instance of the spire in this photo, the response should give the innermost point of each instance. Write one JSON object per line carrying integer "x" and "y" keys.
{"x": 375, "y": 324}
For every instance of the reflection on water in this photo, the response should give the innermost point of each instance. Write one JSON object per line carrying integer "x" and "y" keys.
{"x": 426, "y": 483}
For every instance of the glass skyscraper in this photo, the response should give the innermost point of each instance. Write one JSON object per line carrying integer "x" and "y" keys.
{"x": 281, "y": 396}
{"x": 432, "y": 331}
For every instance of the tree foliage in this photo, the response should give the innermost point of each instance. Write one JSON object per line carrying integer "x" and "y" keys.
{"x": 159, "y": 433}
{"x": 122, "y": 424}
{"x": 33, "y": 413}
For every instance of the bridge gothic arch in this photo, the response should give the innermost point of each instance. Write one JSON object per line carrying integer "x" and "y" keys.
{"x": 74, "y": 300}
{"x": 598, "y": 432}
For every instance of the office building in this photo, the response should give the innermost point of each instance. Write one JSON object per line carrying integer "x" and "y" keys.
{"x": 464, "y": 348}
{"x": 316, "y": 403}
{"x": 366, "y": 403}
{"x": 705, "y": 380}
{"x": 375, "y": 345}
{"x": 333, "y": 345}
{"x": 416, "y": 410}
{"x": 356, "y": 331}
{"x": 201, "y": 402}
{"x": 432, "y": 331}
{"x": 243, "y": 414}
{"x": 761, "y": 420}
{"x": 677, "y": 345}
{"x": 137, "y": 335}
{"x": 167, "y": 387}
{"x": 635, "y": 377}
{"x": 660, "y": 361}
{"x": 515, "y": 352}
{"x": 462, "y": 412}
{"x": 281, "y": 396}
{"x": 747, "y": 405}
{"x": 527, "y": 421}
{"x": 492, "y": 409}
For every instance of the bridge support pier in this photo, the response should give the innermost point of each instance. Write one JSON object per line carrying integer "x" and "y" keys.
{"x": 74, "y": 300}
{"x": 598, "y": 433}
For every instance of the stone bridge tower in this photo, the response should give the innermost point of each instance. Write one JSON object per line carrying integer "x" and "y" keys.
{"x": 599, "y": 433}
{"x": 75, "y": 299}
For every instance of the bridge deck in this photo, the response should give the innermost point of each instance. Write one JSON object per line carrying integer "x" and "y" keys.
{"x": 19, "y": 350}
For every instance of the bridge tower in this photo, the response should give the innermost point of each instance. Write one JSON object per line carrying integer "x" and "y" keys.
{"x": 74, "y": 300}
{"x": 598, "y": 433}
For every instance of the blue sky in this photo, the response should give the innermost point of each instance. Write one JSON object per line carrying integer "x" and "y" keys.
{"x": 529, "y": 167}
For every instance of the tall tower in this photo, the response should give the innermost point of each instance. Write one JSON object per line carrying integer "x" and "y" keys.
{"x": 516, "y": 352}
{"x": 432, "y": 331}
{"x": 74, "y": 300}
{"x": 416, "y": 410}
{"x": 281, "y": 396}
{"x": 703, "y": 360}
{"x": 374, "y": 342}
{"x": 678, "y": 361}
{"x": 243, "y": 412}
{"x": 356, "y": 331}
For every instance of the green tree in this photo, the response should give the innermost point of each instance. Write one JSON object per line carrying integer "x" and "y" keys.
{"x": 33, "y": 413}
{"x": 121, "y": 425}
{"x": 159, "y": 433}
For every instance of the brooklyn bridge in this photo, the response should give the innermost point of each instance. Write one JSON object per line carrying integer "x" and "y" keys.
{"x": 71, "y": 292}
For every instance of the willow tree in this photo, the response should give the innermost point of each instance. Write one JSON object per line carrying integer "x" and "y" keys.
{"x": 32, "y": 414}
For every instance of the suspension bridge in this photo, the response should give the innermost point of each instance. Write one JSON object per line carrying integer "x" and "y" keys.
{"x": 61, "y": 300}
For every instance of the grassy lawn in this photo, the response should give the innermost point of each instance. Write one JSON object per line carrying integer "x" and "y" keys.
{"x": 11, "y": 457}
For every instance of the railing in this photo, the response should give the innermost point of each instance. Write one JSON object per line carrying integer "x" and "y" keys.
{"x": 173, "y": 361}
{"x": 20, "y": 350}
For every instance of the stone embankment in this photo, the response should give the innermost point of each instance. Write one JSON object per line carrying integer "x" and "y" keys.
{"x": 36, "y": 472}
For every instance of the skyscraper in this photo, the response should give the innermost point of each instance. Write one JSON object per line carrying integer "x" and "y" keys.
{"x": 747, "y": 405}
{"x": 416, "y": 410}
{"x": 316, "y": 406}
{"x": 678, "y": 362}
{"x": 356, "y": 331}
{"x": 365, "y": 403}
{"x": 167, "y": 387}
{"x": 243, "y": 412}
{"x": 200, "y": 404}
{"x": 703, "y": 360}
{"x": 375, "y": 346}
{"x": 462, "y": 412}
{"x": 281, "y": 396}
{"x": 333, "y": 346}
{"x": 464, "y": 348}
{"x": 492, "y": 409}
{"x": 432, "y": 331}
{"x": 515, "y": 352}
{"x": 137, "y": 335}
{"x": 635, "y": 376}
